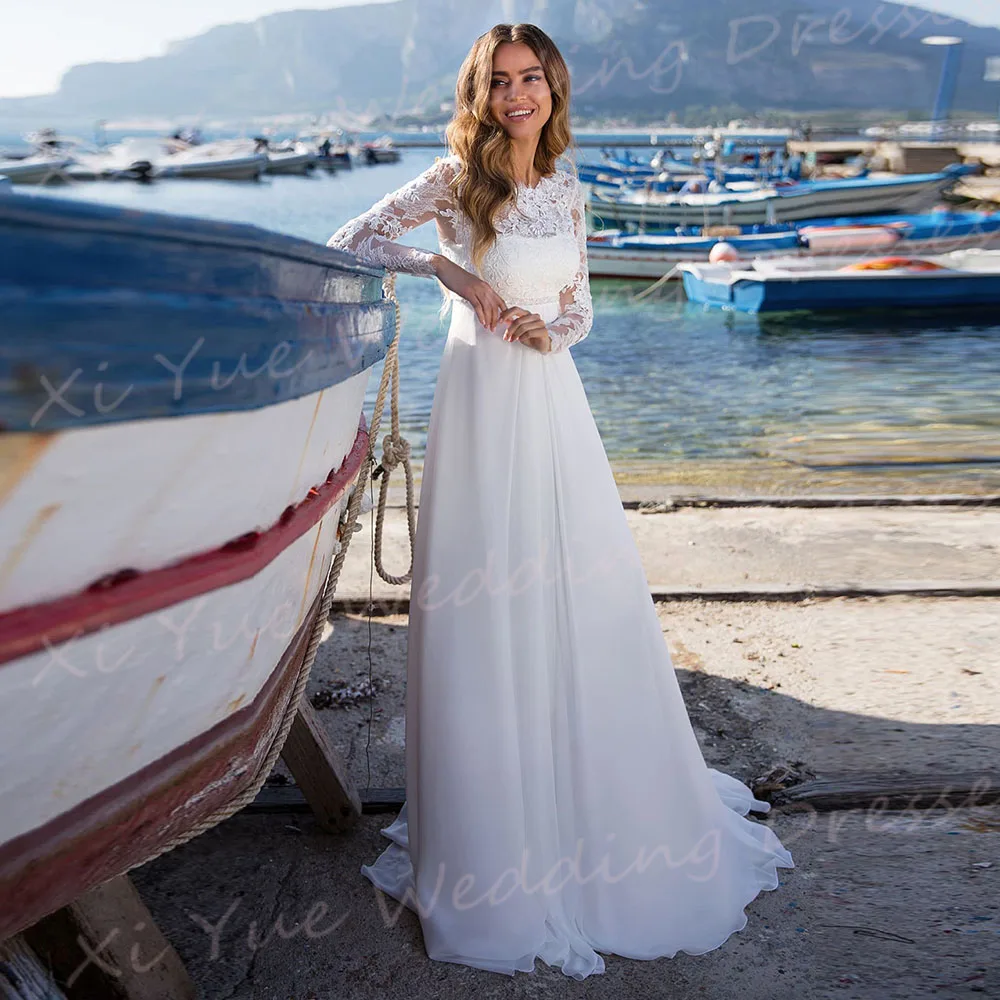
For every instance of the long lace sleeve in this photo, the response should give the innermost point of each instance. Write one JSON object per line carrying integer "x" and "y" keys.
{"x": 371, "y": 236}
{"x": 576, "y": 315}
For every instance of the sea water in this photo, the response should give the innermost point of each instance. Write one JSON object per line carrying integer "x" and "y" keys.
{"x": 715, "y": 401}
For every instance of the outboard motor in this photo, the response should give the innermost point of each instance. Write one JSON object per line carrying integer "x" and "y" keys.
{"x": 141, "y": 170}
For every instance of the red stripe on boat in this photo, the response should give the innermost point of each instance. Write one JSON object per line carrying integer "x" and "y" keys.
{"x": 105, "y": 835}
{"x": 129, "y": 594}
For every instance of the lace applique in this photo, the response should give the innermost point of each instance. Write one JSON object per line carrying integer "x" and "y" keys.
{"x": 554, "y": 208}
{"x": 576, "y": 310}
{"x": 553, "y": 211}
{"x": 539, "y": 211}
{"x": 372, "y": 235}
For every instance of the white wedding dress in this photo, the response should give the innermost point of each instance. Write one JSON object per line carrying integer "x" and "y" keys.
{"x": 557, "y": 802}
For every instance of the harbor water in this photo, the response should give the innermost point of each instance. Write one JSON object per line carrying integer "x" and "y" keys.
{"x": 903, "y": 403}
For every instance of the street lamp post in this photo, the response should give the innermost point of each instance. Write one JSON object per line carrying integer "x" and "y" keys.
{"x": 992, "y": 74}
{"x": 949, "y": 73}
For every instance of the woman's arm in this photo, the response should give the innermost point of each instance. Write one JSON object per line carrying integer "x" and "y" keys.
{"x": 371, "y": 236}
{"x": 576, "y": 315}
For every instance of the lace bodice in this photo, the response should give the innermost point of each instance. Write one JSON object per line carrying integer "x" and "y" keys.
{"x": 539, "y": 255}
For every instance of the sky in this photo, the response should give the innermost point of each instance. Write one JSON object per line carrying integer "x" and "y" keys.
{"x": 41, "y": 39}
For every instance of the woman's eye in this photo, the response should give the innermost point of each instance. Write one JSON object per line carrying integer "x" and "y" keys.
{"x": 533, "y": 76}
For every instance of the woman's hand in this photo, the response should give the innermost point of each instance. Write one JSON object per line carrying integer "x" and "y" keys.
{"x": 527, "y": 327}
{"x": 473, "y": 289}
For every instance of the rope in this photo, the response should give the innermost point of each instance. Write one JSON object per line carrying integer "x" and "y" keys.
{"x": 395, "y": 450}
{"x": 663, "y": 279}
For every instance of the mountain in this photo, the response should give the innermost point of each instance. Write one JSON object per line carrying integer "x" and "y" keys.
{"x": 645, "y": 56}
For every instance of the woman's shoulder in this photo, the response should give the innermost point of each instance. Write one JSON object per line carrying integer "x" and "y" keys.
{"x": 444, "y": 167}
{"x": 436, "y": 177}
{"x": 568, "y": 180}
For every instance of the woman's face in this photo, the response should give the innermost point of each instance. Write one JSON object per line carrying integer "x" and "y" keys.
{"x": 519, "y": 84}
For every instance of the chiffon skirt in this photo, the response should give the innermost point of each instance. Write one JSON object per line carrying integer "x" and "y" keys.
{"x": 558, "y": 805}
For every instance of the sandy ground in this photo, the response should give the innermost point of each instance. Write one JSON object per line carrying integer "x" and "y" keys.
{"x": 880, "y": 905}
{"x": 713, "y": 549}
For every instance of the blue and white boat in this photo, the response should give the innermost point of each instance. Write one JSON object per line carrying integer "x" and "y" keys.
{"x": 616, "y": 254}
{"x": 667, "y": 171}
{"x": 961, "y": 279}
{"x": 181, "y": 405}
{"x": 612, "y": 170}
{"x": 774, "y": 203}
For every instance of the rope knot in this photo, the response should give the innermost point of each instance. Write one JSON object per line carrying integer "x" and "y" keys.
{"x": 394, "y": 451}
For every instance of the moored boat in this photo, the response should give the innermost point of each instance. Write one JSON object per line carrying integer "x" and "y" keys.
{"x": 960, "y": 279}
{"x": 38, "y": 168}
{"x": 182, "y": 412}
{"x": 130, "y": 159}
{"x": 772, "y": 204}
{"x": 292, "y": 158}
{"x": 616, "y": 254}
{"x": 381, "y": 150}
{"x": 227, "y": 159}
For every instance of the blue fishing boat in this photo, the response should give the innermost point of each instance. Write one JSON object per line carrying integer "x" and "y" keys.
{"x": 738, "y": 170}
{"x": 615, "y": 253}
{"x": 774, "y": 203}
{"x": 182, "y": 431}
{"x": 961, "y": 279}
{"x": 612, "y": 169}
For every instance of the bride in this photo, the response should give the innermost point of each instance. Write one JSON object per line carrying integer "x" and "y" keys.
{"x": 558, "y": 805}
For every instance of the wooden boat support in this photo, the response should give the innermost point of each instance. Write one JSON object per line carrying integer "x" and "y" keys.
{"x": 890, "y": 792}
{"x": 171, "y": 646}
{"x": 864, "y": 791}
{"x": 105, "y": 944}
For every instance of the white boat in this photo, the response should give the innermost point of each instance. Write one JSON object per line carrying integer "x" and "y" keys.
{"x": 772, "y": 203}
{"x": 130, "y": 159}
{"x": 381, "y": 150}
{"x": 227, "y": 159}
{"x": 183, "y": 427}
{"x": 147, "y": 158}
{"x": 293, "y": 158}
{"x": 39, "y": 168}
{"x": 332, "y": 148}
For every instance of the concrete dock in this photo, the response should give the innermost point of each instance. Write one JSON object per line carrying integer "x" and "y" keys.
{"x": 830, "y": 643}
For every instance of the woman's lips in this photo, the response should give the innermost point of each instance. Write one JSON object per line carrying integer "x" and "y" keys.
{"x": 520, "y": 117}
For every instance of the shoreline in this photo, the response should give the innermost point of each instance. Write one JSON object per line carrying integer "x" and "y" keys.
{"x": 651, "y": 480}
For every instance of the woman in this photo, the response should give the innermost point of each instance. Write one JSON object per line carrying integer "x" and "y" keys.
{"x": 558, "y": 804}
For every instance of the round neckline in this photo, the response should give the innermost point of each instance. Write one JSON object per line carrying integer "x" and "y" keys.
{"x": 527, "y": 187}
{"x": 519, "y": 185}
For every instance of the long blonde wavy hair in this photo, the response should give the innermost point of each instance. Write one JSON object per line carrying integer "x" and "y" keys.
{"x": 484, "y": 184}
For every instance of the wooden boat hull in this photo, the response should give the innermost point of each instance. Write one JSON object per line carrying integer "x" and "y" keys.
{"x": 166, "y": 540}
{"x": 173, "y": 713}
